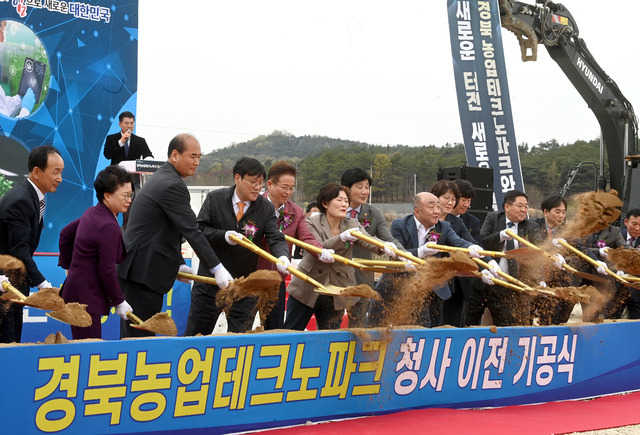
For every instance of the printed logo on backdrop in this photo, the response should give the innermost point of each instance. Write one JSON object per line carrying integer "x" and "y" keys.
{"x": 483, "y": 92}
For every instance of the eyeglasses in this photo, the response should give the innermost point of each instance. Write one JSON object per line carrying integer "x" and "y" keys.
{"x": 255, "y": 183}
{"x": 128, "y": 196}
{"x": 448, "y": 198}
{"x": 520, "y": 205}
{"x": 286, "y": 188}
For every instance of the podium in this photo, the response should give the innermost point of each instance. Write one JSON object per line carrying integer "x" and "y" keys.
{"x": 142, "y": 169}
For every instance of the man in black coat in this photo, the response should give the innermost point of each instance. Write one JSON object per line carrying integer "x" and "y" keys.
{"x": 125, "y": 145}
{"x": 237, "y": 210}
{"x": 21, "y": 217}
{"x": 160, "y": 217}
{"x": 472, "y": 223}
{"x": 632, "y": 235}
{"x": 508, "y": 307}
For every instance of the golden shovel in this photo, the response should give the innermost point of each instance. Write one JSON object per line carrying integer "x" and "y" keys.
{"x": 46, "y": 299}
{"x": 381, "y": 244}
{"x": 311, "y": 248}
{"x": 159, "y": 323}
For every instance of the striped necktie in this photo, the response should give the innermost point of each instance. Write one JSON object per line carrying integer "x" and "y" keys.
{"x": 41, "y": 209}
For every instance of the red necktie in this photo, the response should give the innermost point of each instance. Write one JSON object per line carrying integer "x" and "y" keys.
{"x": 354, "y": 213}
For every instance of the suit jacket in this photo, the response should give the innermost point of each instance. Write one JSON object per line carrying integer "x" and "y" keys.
{"x": 405, "y": 230}
{"x": 496, "y": 221}
{"x": 473, "y": 225}
{"x": 336, "y": 273}
{"x": 374, "y": 223}
{"x": 96, "y": 247}
{"x": 216, "y": 217}
{"x": 158, "y": 218}
{"x": 292, "y": 223}
{"x": 138, "y": 148}
{"x": 624, "y": 233}
{"x": 20, "y": 229}
{"x": 458, "y": 226}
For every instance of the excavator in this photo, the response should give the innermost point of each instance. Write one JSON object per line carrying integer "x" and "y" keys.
{"x": 552, "y": 25}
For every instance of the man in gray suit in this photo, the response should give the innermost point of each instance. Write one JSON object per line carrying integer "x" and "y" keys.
{"x": 160, "y": 217}
{"x": 359, "y": 182}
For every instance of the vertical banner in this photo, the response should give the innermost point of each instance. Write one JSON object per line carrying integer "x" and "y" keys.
{"x": 483, "y": 92}
{"x": 67, "y": 69}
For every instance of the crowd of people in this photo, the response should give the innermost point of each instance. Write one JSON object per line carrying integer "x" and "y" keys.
{"x": 132, "y": 267}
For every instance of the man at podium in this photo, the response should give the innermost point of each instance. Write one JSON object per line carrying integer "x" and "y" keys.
{"x": 125, "y": 145}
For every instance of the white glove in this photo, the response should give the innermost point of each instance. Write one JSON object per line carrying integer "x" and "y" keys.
{"x": 409, "y": 266}
{"x": 326, "y": 257}
{"x": 487, "y": 277}
{"x": 44, "y": 284}
{"x": 283, "y": 265}
{"x": 473, "y": 251}
{"x": 543, "y": 284}
{"x": 494, "y": 267}
{"x": 556, "y": 242}
{"x": 602, "y": 267}
{"x": 122, "y": 309}
{"x": 388, "y": 249}
{"x": 346, "y": 236}
{"x": 603, "y": 252}
{"x": 424, "y": 251}
{"x": 223, "y": 277}
{"x": 504, "y": 236}
{"x": 232, "y": 233}
{"x": 619, "y": 273}
{"x": 186, "y": 269}
{"x": 3, "y": 279}
{"x": 559, "y": 261}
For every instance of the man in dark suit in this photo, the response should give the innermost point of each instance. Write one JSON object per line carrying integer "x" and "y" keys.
{"x": 21, "y": 217}
{"x": 160, "y": 217}
{"x": 359, "y": 183}
{"x": 461, "y": 209}
{"x": 632, "y": 235}
{"x": 125, "y": 145}
{"x": 414, "y": 232}
{"x": 508, "y": 307}
{"x": 237, "y": 210}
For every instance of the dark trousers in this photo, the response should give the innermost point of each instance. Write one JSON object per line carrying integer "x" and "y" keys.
{"x": 508, "y": 307}
{"x": 10, "y": 322}
{"x": 633, "y": 304}
{"x": 452, "y": 307}
{"x": 144, "y": 302}
{"x": 275, "y": 318}
{"x": 93, "y": 331}
{"x": 299, "y": 314}
{"x": 203, "y": 313}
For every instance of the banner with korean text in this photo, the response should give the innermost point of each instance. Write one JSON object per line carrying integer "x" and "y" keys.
{"x": 67, "y": 69}
{"x": 248, "y": 381}
{"x": 483, "y": 92}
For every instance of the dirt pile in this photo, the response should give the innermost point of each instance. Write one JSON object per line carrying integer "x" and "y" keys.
{"x": 625, "y": 259}
{"x": 56, "y": 338}
{"x": 361, "y": 290}
{"x": 264, "y": 285}
{"x": 74, "y": 314}
{"x": 161, "y": 324}
{"x": 596, "y": 211}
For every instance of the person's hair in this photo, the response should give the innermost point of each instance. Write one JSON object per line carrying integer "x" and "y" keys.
{"x": 126, "y": 115}
{"x": 327, "y": 193}
{"x": 510, "y": 197}
{"x": 248, "y": 166}
{"x": 110, "y": 179}
{"x": 179, "y": 143}
{"x": 355, "y": 175}
{"x": 417, "y": 201}
{"x": 444, "y": 186}
{"x": 311, "y": 205}
{"x": 553, "y": 201}
{"x": 39, "y": 157}
{"x": 278, "y": 169}
{"x": 466, "y": 189}
{"x": 634, "y": 212}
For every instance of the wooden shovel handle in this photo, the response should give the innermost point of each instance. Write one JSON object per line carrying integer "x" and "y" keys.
{"x": 454, "y": 249}
{"x": 246, "y": 243}
{"x": 205, "y": 279}
{"x": 504, "y": 275}
{"x": 502, "y": 282}
{"x": 135, "y": 319}
{"x": 381, "y": 244}
{"x": 316, "y": 250}
{"x": 593, "y": 262}
{"x": 380, "y": 263}
{"x": 6, "y": 286}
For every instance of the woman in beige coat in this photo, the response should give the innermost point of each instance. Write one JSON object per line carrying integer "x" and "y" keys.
{"x": 331, "y": 227}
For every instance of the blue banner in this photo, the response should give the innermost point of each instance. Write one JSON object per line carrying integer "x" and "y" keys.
{"x": 483, "y": 92}
{"x": 247, "y": 381}
{"x": 80, "y": 59}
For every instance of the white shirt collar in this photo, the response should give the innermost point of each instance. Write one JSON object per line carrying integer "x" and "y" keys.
{"x": 356, "y": 209}
{"x": 235, "y": 201}
{"x": 38, "y": 192}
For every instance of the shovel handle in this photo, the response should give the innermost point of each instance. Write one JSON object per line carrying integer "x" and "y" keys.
{"x": 381, "y": 244}
{"x": 316, "y": 250}
{"x": 457, "y": 249}
{"x": 205, "y": 279}
{"x": 135, "y": 319}
{"x": 504, "y": 275}
{"x": 593, "y": 262}
{"x": 246, "y": 243}
{"x": 380, "y": 263}
{"x": 6, "y": 286}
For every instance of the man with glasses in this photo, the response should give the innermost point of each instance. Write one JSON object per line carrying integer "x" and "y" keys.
{"x": 508, "y": 307}
{"x": 238, "y": 210}
{"x": 21, "y": 220}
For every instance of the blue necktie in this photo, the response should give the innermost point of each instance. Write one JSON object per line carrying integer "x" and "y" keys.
{"x": 126, "y": 148}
